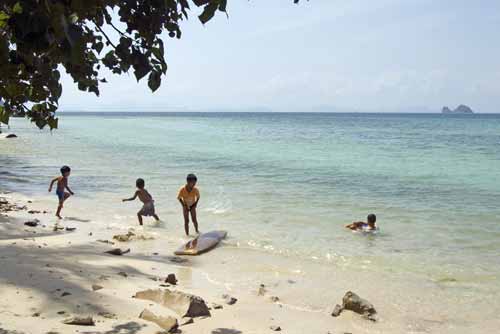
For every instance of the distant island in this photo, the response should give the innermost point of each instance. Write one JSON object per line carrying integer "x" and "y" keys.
{"x": 461, "y": 109}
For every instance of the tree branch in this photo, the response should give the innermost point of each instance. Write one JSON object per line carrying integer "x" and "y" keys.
{"x": 117, "y": 30}
{"x": 105, "y": 36}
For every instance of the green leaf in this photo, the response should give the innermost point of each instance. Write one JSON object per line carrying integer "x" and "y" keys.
{"x": 223, "y": 5}
{"x": 4, "y": 17}
{"x": 98, "y": 47}
{"x": 200, "y": 2}
{"x": 58, "y": 91}
{"x": 154, "y": 80}
{"x": 17, "y": 9}
{"x": 140, "y": 71}
{"x": 53, "y": 123}
{"x": 158, "y": 53}
{"x": 73, "y": 18}
{"x": 4, "y": 116}
{"x": 208, "y": 12}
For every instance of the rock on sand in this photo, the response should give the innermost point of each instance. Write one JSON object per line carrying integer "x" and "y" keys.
{"x": 184, "y": 304}
{"x": 355, "y": 303}
{"x": 168, "y": 323}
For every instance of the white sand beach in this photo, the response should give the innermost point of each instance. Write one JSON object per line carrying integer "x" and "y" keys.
{"x": 47, "y": 277}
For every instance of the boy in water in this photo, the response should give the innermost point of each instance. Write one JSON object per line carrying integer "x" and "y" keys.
{"x": 62, "y": 184}
{"x": 368, "y": 226}
{"x": 148, "y": 209}
{"x": 189, "y": 196}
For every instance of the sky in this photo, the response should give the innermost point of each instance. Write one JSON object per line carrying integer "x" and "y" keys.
{"x": 321, "y": 55}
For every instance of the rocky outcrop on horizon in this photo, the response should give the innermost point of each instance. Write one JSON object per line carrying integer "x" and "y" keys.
{"x": 461, "y": 109}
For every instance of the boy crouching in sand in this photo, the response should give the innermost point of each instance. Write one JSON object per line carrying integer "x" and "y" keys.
{"x": 189, "y": 197}
{"x": 148, "y": 209}
{"x": 62, "y": 184}
{"x": 368, "y": 226}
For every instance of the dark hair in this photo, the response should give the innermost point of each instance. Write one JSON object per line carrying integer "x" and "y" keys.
{"x": 139, "y": 183}
{"x": 191, "y": 177}
{"x": 65, "y": 169}
{"x": 371, "y": 218}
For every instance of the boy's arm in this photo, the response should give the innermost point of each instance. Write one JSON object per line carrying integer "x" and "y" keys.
{"x": 197, "y": 199}
{"x": 354, "y": 225}
{"x": 131, "y": 198}
{"x": 179, "y": 197}
{"x": 72, "y": 193}
{"x": 52, "y": 183}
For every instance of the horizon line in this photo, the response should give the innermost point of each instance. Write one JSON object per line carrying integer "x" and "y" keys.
{"x": 260, "y": 112}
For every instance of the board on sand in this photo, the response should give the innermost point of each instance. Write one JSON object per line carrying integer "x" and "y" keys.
{"x": 202, "y": 244}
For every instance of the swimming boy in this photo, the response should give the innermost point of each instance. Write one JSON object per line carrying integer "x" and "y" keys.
{"x": 189, "y": 196}
{"x": 148, "y": 209}
{"x": 62, "y": 184}
{"x": 368, "y": 226}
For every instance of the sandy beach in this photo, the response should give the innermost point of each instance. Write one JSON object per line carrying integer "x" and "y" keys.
{"x": 48, "y": 276}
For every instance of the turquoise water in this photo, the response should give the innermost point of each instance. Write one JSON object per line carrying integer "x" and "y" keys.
{"x": 285, "y": 184}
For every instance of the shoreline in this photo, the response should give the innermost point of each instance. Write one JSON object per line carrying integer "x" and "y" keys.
{"x": 39, "y": 267}
{"x": 48, "y": 277}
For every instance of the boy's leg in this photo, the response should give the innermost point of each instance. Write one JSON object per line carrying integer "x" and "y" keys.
{"x": 139, "y": 217}
{"x": 155, "y": 216}
{"x": 195, "y": 221}
{"x": 61, "y": 204}
{"x": 59, "y": 207}
{"x": 186, "y": 219}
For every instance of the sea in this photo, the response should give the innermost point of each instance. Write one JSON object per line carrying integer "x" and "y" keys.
{"x": 284, "y": 185}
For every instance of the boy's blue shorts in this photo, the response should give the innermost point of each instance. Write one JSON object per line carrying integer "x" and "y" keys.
{"x": 60, "y": 194}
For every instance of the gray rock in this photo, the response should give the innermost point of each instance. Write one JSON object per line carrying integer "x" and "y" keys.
{"x": 177, "y": 259}
{"x": 171, "y": 279}
{"x": 168, "y": 323}
{"x": 79, "y": 321}
{"x": 118, "y": 251}
{"x": 461, "y": 109}
{"x": 124, "y": 237}
{"x": 229, "y": 300}
{"x": 184, "y": 304}
{"x": 107, "y": 315}
{"x": 274, "y": 299}
{"x": 275, "y": 328}
{"x": 96, "y": 287}
{"x": 11, "y": 135}
{"x": 353, "y": 302}
{"x": 106, "y": 242}
{"x": 446, "y": 110}
{"x": 32, "y": 223}
{"x": 216, "y": 306}
{"x": 337, "y": 310}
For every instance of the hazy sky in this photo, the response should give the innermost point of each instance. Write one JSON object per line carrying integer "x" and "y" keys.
{"x": 383, "y": 55}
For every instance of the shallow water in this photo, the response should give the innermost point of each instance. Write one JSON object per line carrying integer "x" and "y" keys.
{"x": 285, "y": 184}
